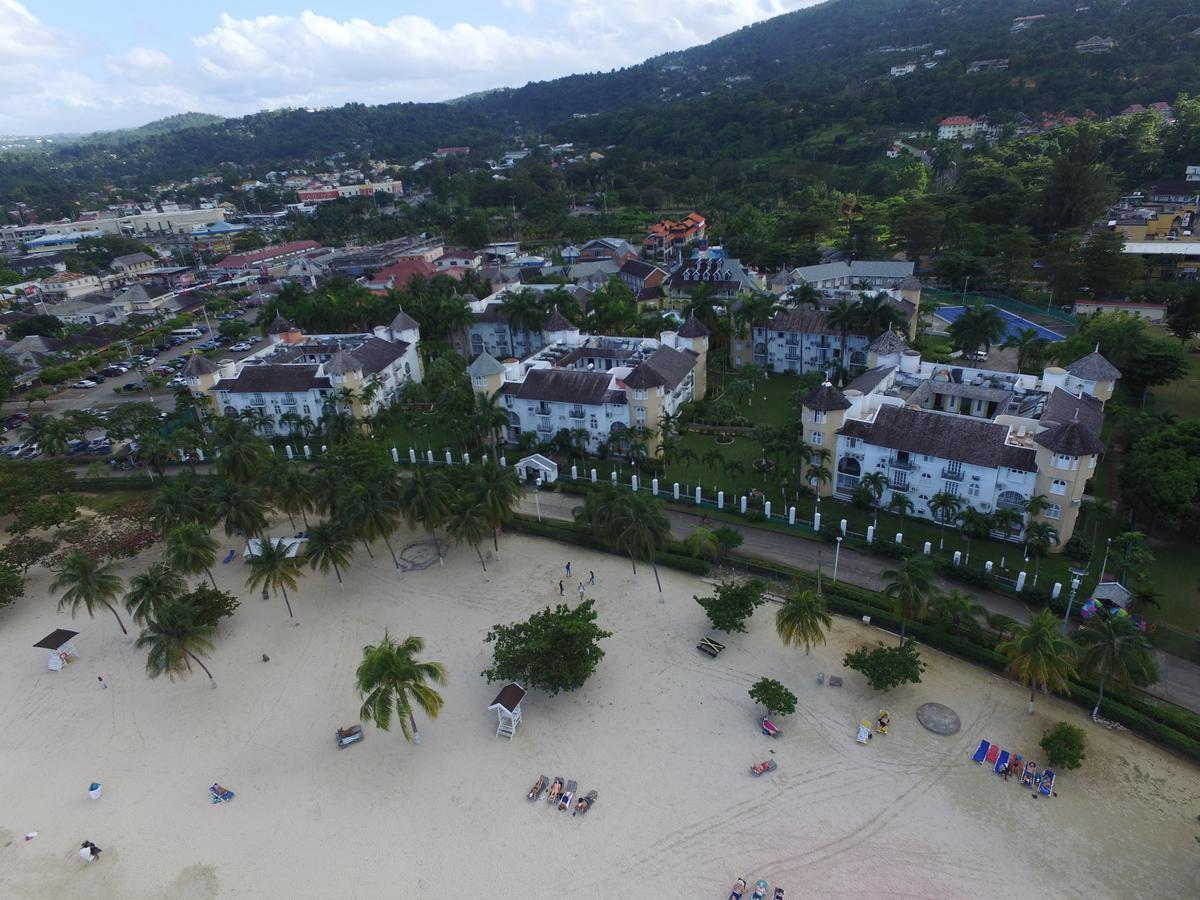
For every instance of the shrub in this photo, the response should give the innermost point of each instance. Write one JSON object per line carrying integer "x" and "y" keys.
{"x": 555, "y": 650}
{"x": 974, "y": 577}
{"x": 891, "y": 550}
{"x": 733, "y": 603}
{"x": 777, "y": 699}
{"x": 755, "y": 515}
{"x": 1034, "y": 594}
{"x": 1078, "y": 548}
{"x": 1064, "y": 745}
{"x": 887, "y": 667}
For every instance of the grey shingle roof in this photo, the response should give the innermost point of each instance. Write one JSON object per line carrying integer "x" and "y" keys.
{"x": 343, "y": 363}
{"x": 280, "y": 325}
{"x": 801, "y": 321}
{"x": 693, "y": 328}
{"x": 403, "y": 322}
{"x": 889, "y": 342}
{"x": 275, "y": 379}
{"x": 870, "y": 379}
{"x": 825, "y": 398}
{"x": 564, "y": 386}
{"x": 376, "y": 354}
{"x": 198, "y": 365}
{"x": 1070, "y": 438}
{"x": 1094, "y": 367}
{"x": 961, "y": 438}
{"x": 665, "y": 367}
{"x": 484, "y": 365}
{"x": 556, "y": 321}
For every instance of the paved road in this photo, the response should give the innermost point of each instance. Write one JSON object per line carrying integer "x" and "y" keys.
{"x": 1179, "y": 679}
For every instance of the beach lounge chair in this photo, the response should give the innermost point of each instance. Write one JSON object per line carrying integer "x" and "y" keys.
{"x": 1029, "y": 774}
{"x": 992, "y": 755}
{"x": 1001, "y": 762}
{"x": 229, "y": 557}
{"x": 556, "y": 787}
{"x": 709, "y": 646}
{"x": 835, "y": 680}
{"x": 1046, "y": 783}
{"x": 778, "y": 895}
{"x": 351, "y": 734}
{"x": 539, "y": 788}
{"x": 760, "y": 890}
{"x": 739, "y": 888}
{"x": 864, "y": 731}
{"x": 584, "y": 803}
{"x": 767, "y": 765}
{"x": 564, "y": 802}
{"x": 768, "y": 728}
{"x": 220, "y": 794}
{"x": 981, "y": 751}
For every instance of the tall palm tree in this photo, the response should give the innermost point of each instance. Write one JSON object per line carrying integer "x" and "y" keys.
{"x": 1039, "y": 655}
{"x": 980, "y": 325}
{"x": 843, "y": 318}
{"x": 876, "y": 314}
{"x": 975, "y": 524}
{"x": 244, "y": 455}
{"x": 468, "y": 523}
{"x": 150, "y": 590}
{"x": 956, "y": 608}
{"x": 1039, "y": 538}
{"x": 84, "y": 582}
{"x": 373, "y": 514}
{"x": 875, "y": 484}
{"x": 192, "y": 550}
{"x": 1035, "y": 506}
{"x": 498, "y": 492}
{"x": 241, "y": 509}
{"x": 803, "y": 619}
{"x": 328, "y": 545}
{"x": 1113, "y": 648}
{"x": 910, "y": 588}
{"x": 174, "y": 640}
{"x": 489, "y": 418}
{"x": 272, "y": 567}
{"x": 1006, "y": 520}
{"x": 945, "y": 507}
{"x": 641, "y": 531}
{"x": 524, "y": 312}
{"x": 391, "y": 678}
{"x": 901, "y": 506}
{"x": 292, "y": 490}
{"x": 1028, "y": 344}
{"x": 177, "y": 502}
{"x": 426, "y": 498}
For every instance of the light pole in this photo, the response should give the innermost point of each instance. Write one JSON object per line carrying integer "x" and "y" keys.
{"x": 836, "y": 555}
{"x": 1070, "y": 601}
{"x": 537, "y": 502}
{"x": 1104, "y": 565}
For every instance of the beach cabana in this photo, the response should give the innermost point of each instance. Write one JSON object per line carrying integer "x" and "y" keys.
{"x": 508, "y": 708}
{"x": 537, "y": 466}
{"x": 59, "y": 643}
{"x": 254, "y": 545}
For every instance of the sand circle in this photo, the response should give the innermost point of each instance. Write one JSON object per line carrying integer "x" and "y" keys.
{"x": 938, "y": 718}
{"x": 723, "y": 439}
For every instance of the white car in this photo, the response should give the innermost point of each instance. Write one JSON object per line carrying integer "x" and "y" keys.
{"x": 240, "y": 346}
{"x": 85, "y": 383}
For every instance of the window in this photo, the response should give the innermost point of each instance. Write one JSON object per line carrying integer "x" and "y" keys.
{"x": 972, "y": 490}
{"x": 594, "y": 424}
{"x": 641, "y": 415}
{"x": 258, "y": 400}
{"x": 1058, "y": 486}
{"x": 950, "y": 487}
{"x": 639, "y": 394}
{"x": 480, "y": 381}
{"x": 1053, "y": 511}
{"x": 818, "y": 417}
{"x": 815, "y": 438}
{"x": 851, "y": 443}
{"x": 1062, "y": 461}
{"x": 307, "y": 411}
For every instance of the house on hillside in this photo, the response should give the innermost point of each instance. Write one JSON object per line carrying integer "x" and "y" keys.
{"x": 1095, "y": 44}
{"x": 670, "y": 237}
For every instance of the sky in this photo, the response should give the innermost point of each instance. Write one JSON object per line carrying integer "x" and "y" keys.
{"x": 83, "y": 65}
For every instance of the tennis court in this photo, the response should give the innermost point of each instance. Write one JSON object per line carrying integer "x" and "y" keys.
{"x": 1012, "y": 322}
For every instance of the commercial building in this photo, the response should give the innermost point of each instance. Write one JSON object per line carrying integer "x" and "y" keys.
{"x": 326, "y": 193}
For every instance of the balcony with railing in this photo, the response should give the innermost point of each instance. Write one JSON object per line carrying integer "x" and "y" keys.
{"x": 900, "y": 486}
{"x": 545, "y": 426}
{"x": 575, "y": 412}
{"x": 952, "y": 474}
{"x": 905, "y": 465}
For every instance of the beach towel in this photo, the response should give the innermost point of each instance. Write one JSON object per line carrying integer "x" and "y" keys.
{"x": 992, "y": 755}
{"x": 1001, "y": 761}
{"x": 864, "y": 732}
{"x": 564, "y": 802}
{"x": 981, "y": 751}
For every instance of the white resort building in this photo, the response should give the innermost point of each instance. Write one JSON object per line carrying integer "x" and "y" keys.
{"x": 296, "y": 376}
{"x": 992, "y": 439}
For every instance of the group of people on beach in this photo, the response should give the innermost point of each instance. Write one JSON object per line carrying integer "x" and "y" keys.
{"x": 582, "y": 590}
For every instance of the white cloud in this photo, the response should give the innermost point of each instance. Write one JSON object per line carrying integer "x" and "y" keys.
{"x": 248, "y": 63}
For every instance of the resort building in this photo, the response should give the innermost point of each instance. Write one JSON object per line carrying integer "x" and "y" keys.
{"x": 992, "y": 439}
{"x": 597, "y": 388}
{"x": 669, "y": 238}
{"x": 299, "y": 377}
{"x": 490, "y": 332}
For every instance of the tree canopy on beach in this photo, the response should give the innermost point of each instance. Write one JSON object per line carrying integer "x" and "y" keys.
{"x": 555, "y": 650}
{"x": 733, "y": 603}
{"x": 84, "y": 582}
{"x": 771, "y": 694}
{"x": 803, "y": 619}
{"x": 391, "y": 679}
{"x": 1039, "y": 655}
{"x": 886, "y": 667}
{"x": 174, "y": 639}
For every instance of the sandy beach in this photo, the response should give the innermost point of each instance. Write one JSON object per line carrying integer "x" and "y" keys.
{"x": 663, "y": 733}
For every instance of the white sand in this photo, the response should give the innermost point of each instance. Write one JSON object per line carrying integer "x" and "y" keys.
{"x": 665, "y": 734}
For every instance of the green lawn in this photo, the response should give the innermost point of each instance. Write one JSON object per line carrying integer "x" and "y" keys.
{"x": 1181, "y": 397}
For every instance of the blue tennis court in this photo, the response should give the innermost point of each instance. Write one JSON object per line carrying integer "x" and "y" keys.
{"x": 1012, "y": 322}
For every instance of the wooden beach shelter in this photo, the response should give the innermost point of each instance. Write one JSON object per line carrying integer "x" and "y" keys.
{"x": 508, "y": 708}
{"x": 59, "y": 643}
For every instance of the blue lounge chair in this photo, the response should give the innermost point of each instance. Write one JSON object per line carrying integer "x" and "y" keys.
{"x": 1046, "y": 783}
{"x": 1002, "y": 761}
{"x": 984, "y": 746}
{"x": 229, "y": 557}
{"x": 220, "y": 794}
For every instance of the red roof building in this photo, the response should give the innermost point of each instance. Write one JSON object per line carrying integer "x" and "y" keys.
{"x": 401, "y": 272}
{"x": 670, "y": 235}
{"x": 267, "y": 256}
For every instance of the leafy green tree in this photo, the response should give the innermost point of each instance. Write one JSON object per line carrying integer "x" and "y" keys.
{"x": 910, "y": 588}
{"x": 26, "y": 551}
{"x": 173, "y": 640}
{"x": 887, "y": 667}
{"x": 1107, "y": 269}
{"x": 83, "y": 582}
{"x": 1113, "y": 649}
{"x": 701, "y": 543}
{"x": 1079, "y": 184}
{"x": 12, "y": 584}
{"x": 555, "y": 650}
{"x": 150, "y": 590}
{"x": 803, "y": 619}
{"x": 391, "y": 679}
{"x": 1039, "y": 655}
{"x": 727, "y": 538}
{"x": 733, "y": 603}
{"x": 272, "y": 567}
{"x": 1065, "y": 745}
{"x": 208, "y": 605}
{"x": 773, "y": 696}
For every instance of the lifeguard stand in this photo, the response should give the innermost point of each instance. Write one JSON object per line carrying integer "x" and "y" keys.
{"x": 62, "y": 649}
{"x": 508, "y": 709}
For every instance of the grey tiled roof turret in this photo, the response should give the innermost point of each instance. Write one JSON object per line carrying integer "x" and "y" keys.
{"x": 343, "y": 363}
{"x": 403, "y": 322}
{"x": 280, "y": 325}
{"x": 484, "y": 365}
{"x": 889, "y": 342}
{"x": 1070, "y": 439}
{"x": 1094, "y": 367}
{"x": 556, "y": 321}
{"x": 199, "y": 365}
{"x": 693, "y": 328}
{"x": 825, "y": 398}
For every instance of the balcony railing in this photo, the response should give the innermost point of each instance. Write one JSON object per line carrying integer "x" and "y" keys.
{"x": 545, "y": 427}
{"x": 900, "y": 486}
{"x": 896, "y": 463}
{"x": 952, "y": 474}
{"x": 575, "y": 413}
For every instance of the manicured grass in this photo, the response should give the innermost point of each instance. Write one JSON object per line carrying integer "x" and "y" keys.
{"x": 1181, "y": 397}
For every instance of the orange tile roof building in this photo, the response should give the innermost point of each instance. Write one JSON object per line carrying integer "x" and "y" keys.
{"x": 669, "y": 237}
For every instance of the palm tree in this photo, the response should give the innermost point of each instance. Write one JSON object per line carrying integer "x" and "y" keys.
{"x": 391, "y": 678}
{"x": 468, "y": 523}
{"x": 734, "y": 468}
{"x": 945, "y": 506}
{"x": 877, "y": 314}
{"x": 524, "y": 312}
{"x": 489, "y": 417}
{"x": 273, "y": 567}
{"x": 1006, "y": 520}
{"x": 703, "y": 303}
{"x": 244, "y": 455}
{"x": 956, "y": 608}
{"x": 426, "y": 497}
{"x": 292, "y": 491}
{"x": 175, "y": 640}
{"x": 327, "y": 546}
{"x": 1039, "y": 655}
{"x": 1035, "y": 506}
{"x": 150, "y": 590}
{"x": 900, "y": 505}
{"x": 875, "y": 484}
{"x": 980, "y": 325}
{"x": 1039, "y": 538}
{"x": 84, "y": 582}
{"x": 1113, "y": 648}
{"x": 641, "y": 530}
{"x": 372, "y": 514}
{"x": 686, "y": 456}
{"x": 240, "y": 507}
{"x": 975, "y": 524}
{"x": 192, "y": 550}
{"x": 1028, "y": 344}
{"x": 910, "y": 588}
{"x": 177, "y": 502}
{"x": 803, "y": 619}
{"x": 498, "y": 492}
{"x": 843, "y": 318}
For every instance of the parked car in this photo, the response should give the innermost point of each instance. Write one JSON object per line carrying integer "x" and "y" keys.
{"x": 132, "y": 387}
{"x": 96, "y": 377}
{"x": 239, "y": 346}
{"x": 254, "y": 339}
{"x": 29, "y": 452}
{"x": 12, "y": 421}
{"x": 76, "y": 446}
{"x": 114, "y": 371}
{"x": 84, "y": 383}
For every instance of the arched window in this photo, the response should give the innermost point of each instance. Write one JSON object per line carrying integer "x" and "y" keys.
{"x": 618, "y": 427}
{"x": 848, "y": 472}
{"x": 1010, "y": 500}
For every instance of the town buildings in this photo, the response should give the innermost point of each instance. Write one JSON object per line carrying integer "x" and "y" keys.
{"x": 993, "y": 440}
{"x": 297, "y": 379}
{"x": 669, "y": 238}
{"x": 325, "y": 193}
{"x": 490, "y": 331}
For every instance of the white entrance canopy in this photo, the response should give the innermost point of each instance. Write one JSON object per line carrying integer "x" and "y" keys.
{"x": 538, "y": 466}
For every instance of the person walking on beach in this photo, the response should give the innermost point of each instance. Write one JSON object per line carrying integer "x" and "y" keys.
{"x": 560, "y": 587}
{"x": 568, "y": 568}
{"x": 89, "y": 851}
{"x": 581, "y": 590}
{"x": 591, "y": 577}
{"x": 100, "y": 678}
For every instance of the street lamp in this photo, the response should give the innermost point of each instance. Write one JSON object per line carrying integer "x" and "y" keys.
{"x": 538, "y": 503}
{"x": 1104, "y": 565}
{"x": 1070, "y": 601}
{"x": 836, "y": 555}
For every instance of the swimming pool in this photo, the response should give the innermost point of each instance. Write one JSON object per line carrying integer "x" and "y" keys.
{"x": 1012, "y": 322}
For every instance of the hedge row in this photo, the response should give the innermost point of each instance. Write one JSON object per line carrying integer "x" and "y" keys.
{"x": 673, "y": 556}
